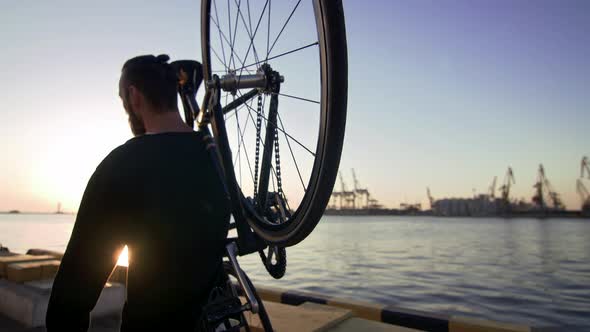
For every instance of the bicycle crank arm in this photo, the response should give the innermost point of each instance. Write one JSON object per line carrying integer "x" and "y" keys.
{"x": 232, "y": 250}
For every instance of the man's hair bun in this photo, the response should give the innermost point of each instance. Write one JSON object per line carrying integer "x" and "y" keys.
{"x": 163, "y": 58}
{"x": 154, "y": 77}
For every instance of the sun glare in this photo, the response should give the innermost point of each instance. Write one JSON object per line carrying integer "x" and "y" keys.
{"x": 124, "y": 257}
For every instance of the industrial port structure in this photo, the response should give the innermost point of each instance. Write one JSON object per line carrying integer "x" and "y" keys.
{"x": 545, "y": 201}
{"x": 355, "y": 199}
{"x": 359, "y": 201}
{"x": 582, "y": 191}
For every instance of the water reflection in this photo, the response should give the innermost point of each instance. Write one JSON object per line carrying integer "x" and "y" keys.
{"x": 522, "y": 270}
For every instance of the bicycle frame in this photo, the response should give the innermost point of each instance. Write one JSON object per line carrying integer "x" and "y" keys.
{"x": 212, "y": 113}
{"x": 247, "y": 241}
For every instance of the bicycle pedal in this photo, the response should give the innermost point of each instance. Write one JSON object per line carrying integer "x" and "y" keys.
{"x": 223, "y": 312}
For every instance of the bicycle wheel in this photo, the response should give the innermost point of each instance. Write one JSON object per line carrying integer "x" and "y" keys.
{"x": 287, "y": 183}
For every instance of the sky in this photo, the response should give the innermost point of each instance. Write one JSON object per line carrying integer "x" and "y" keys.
{"x": 442, "y": 94}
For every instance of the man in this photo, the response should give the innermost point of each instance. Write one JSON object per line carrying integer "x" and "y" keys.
{"x": 160, "y": 195}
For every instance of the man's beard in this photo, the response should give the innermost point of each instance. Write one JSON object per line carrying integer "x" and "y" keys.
{"x": 137, "y": 127}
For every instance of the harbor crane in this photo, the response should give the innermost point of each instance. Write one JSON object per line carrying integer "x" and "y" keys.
{"x": 584, "y": 167}
{"x": 505, "y": 190}
{"x": 584, "y": 196}
{"x": 430, "y": 199}
{"x": 508, "y": 182}
{"x": 360, "y": 192}
{"x": 583, "y": 192}
{"x": 543, "y": 187}
{"x": 357, "y": 198}
{"x": 493, "y": 188}
{"x": 345, "y": 196}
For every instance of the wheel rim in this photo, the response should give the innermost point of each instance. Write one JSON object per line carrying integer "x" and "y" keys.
{"x": 224, "y": 50}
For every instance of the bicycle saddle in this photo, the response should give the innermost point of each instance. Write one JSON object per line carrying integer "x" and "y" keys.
{"x": 190, "y": 74}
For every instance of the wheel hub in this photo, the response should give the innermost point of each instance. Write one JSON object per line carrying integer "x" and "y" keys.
{"x": 266, "y": 80}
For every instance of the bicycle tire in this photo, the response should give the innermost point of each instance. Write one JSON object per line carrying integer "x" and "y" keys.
{"x": 329, "y": 18}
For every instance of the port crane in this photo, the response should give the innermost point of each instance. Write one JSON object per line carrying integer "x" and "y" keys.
{"x": 493, "y": 188}
{"x": 505, "y": 205}
{"x": 584, "y": 196}
{"x": 430, "y": 199}
{"x": 543, "y": 187}
{"x": 583, "y": 192}
{"x": 508, "y": 182}
{"x": 357, "y": 198}
{"x": 337, "y": 197}
{"x": 584, "y": 167}
{"x": 346, "y": 197}
{"x": 360, "y": 192}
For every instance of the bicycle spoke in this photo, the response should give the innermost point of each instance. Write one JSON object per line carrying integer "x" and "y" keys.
{"x": 244, "y": 132}
{"x": 251, "y": 45}
{"x": 249, "y": 107}
{"x": 218, "y": 58}
{"x": 239, "y": 146}
{"x": 281, "y": 55}
{"x": 250, "y": 36}
{"x": 286, "y": 200}
{"x": 228, "y": 42}
{"x": 295, "y": 97}
{"x": 253, "y": 36}
{"x": 231, "y": 40}
{"x": 219, "y": 29}
{"x": 229, "y": 30}
{"x": 273, "y": 171}
{"x": 283, "y": 28}
{"x": 272, "y": 178}
{"x": 292, "y": 155}
{"x": 287, "y": 134}
{"x": 241, "y": 137}
{"x": 249, "y": 31}
{"x": 235, "y": 29}
{"x": 268, "y": 32}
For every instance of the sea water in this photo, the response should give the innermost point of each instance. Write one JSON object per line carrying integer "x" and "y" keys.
{"x": 530, "y": 271}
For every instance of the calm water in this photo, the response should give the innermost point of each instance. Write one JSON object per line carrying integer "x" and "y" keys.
{"x": 520, "y": 270}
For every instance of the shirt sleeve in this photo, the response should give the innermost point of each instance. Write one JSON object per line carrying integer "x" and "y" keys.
{"x": 90, "y": 256}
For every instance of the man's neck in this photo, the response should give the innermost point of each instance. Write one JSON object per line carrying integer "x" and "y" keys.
{"x": 165, "y": 122}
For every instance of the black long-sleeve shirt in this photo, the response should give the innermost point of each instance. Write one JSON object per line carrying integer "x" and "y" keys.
{"x": 161, "y": 196}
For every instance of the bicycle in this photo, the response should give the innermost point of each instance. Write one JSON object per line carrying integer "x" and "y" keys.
{"x": 278, "y": 213}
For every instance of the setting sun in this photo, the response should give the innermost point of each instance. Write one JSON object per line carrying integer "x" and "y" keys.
{"x": 124, "y": 257}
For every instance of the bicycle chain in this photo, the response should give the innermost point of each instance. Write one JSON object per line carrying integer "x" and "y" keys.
{"x": 257, "y": 156}
{"x": 276, "y": 150}
{"x": 278, "y": 163}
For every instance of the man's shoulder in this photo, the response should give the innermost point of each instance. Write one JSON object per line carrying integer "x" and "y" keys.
{"x": 133, "y": 149}
{"x": 119, "y": 153}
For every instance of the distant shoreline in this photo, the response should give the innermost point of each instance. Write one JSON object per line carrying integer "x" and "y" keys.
{"x": 33, "y": 212}
{"x": 523, "y": 216}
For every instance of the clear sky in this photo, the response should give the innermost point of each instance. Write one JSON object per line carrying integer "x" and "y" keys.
{"x": 445, "y": 94}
